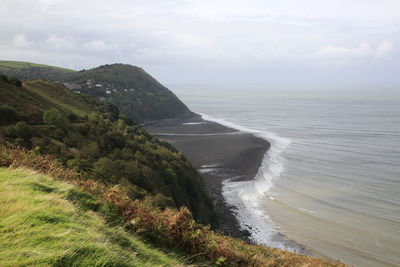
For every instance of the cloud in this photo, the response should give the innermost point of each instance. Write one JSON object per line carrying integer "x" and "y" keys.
{"x": 331, "y": 51}
{"x": 20, "y": 41}
{"x": 58, "y": 43}
{"x": 364, "y": 50}
{"x": 97, "y": 45}
{"x": 384, "y": 49}
{"x": 208, "y": 37}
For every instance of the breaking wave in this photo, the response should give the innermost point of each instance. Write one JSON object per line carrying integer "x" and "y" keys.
{"x": 246, "y": 196}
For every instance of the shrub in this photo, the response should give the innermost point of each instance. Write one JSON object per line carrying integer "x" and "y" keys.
{"x": 159, "y": 200}
{"x": 21, "y": 130}
{"x": 55, "y": 117}
{"x": 73, "y": 117}
{"x": 106, "y": 169}
{"x": 128, "y": 120}
{"x": 7, "y": 114}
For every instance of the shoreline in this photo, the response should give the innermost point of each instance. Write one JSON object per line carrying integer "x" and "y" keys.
{"x": 220, "y": 153}
{"x": 209, "y": 148}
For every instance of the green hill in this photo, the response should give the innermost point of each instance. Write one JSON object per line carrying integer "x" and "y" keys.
{"x": 41, "y": 226}
{"x": 27, "y": 70}
{"x": 94, "y": 139}
{"x": 130, "y": 88}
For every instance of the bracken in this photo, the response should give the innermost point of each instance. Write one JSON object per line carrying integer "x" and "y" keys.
{"x": 169, "y": 227}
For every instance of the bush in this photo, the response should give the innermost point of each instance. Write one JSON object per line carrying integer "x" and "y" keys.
{"x": 106, "y": 169}
{"x": 54, "y": 117}
{"x": 159, "y": 200}
{"x": 128, "y": 120}
{"x": 7, "y": 115}
{"x": 21, "y": 130}
{"x": 72, "y": 117}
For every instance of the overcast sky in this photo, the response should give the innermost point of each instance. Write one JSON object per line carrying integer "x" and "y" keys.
{"x": 282, "y": 43}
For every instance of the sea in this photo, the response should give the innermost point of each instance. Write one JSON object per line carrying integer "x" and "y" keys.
{"x": 331, "y": 179}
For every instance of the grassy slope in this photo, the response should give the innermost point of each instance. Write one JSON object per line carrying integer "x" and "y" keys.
{"x": 26, "y": 65}
{"x": 150, "y": 100}
{"x": 36, "y": 96}
{"x": 172, "y": 229}
{"x": 58, "y": 96}
{"x": 27, "y": 70}
{"x": 40, "y": 227}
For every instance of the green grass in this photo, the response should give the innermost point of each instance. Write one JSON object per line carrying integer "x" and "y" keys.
{"x": 25, "y": 65}
{"x": 42, "y": 224}
{"x": 59, "y": 96}
{"x": 36, "y": 96}
{"x": 27, "y": 70}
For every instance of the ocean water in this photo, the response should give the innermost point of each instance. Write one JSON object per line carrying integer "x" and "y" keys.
{"x": 331, "y": 180}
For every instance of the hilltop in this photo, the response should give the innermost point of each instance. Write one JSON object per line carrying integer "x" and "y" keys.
{"x": 136, "y": 93}
{"x": 27, "y": 70}
{"x": 131, "y": 89}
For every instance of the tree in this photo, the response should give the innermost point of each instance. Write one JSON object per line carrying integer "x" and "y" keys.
{"x": 55, "y": 117}
{"x": 107, "y": 169}
{"x": 116, "y": 139}
{"x": 112, "y": 110}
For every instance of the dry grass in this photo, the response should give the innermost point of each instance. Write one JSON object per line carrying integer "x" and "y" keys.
{"x": 41, "y": 226}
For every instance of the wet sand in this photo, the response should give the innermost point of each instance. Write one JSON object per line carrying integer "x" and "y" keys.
{"x": 218, "y": 153}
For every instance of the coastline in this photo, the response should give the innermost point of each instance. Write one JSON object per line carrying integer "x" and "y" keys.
{"x": 218, "y": 153}
{"x": 221, "y": 154}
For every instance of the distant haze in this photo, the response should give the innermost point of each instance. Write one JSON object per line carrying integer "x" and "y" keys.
{"x": 330, "y": 43}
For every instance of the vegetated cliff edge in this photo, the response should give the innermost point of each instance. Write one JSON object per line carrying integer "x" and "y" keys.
{"x": 33, "y": 204}
{"x": 130, "y": 88}
{"x": 128, "y": 175}
{"x": 92, "y": 137}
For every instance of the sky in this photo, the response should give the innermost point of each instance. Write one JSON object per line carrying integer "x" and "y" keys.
{"x": 287, "y": 43}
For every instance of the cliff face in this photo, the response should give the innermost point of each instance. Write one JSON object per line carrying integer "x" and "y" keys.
{"x": 130, "y": 88}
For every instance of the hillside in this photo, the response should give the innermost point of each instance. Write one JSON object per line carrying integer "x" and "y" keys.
{"x": 130, "y": 88}
{"x": 93, "y": 138}
{"x": 27, "y": 70}
{"x": 30, "y": 206}
{"x": 85, "y": 186}
{"x": 42, "y": 225}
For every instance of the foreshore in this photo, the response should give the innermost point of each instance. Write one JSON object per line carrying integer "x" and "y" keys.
{"x": 218, "y": 153}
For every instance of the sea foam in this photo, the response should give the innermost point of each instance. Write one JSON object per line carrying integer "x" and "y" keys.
{"x": 246, "y": 196}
